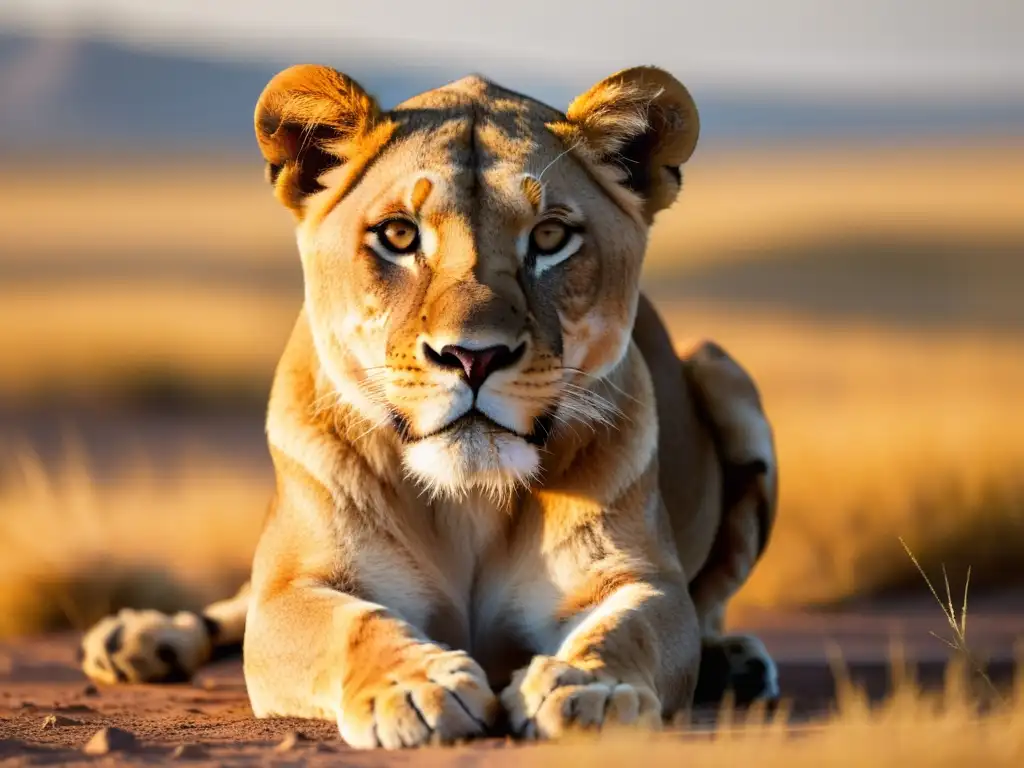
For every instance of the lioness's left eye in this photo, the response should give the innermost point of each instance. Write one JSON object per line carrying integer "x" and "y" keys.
{"x": 399, "y": 236}
{"x": 549, "y": 237}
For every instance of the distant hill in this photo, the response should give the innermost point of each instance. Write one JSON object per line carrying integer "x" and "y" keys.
{"x": 82, "y": 93}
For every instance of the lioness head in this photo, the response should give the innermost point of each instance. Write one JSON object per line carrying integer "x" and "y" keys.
{"x": 472, "y": 257}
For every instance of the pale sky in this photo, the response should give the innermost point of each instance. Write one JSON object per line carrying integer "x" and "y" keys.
{"x": 897, "y": 47}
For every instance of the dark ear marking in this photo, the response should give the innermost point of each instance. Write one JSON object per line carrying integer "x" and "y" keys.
{"x": 634, "y": 162}
{"x": 641, "y": 120}
{"x": 311, "y": 159}
{"x": 304, "y": 145}
{"x": 308, "y": 120}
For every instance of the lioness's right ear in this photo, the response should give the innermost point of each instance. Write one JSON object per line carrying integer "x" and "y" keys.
{"x": 303, "y": 119}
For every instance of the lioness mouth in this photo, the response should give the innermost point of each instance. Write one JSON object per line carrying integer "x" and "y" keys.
{"x": 542, "y": 427}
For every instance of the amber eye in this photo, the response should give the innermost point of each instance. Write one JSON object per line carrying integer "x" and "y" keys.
{"x": 549, "y": 237}
{"x": 398, "y": 235}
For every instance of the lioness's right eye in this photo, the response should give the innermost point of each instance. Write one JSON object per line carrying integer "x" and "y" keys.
{"x": 400, "y": 236}
{"x": 549, "y": 237}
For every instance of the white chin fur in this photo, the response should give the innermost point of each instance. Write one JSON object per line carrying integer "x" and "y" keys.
{"x": 462, "y": 460}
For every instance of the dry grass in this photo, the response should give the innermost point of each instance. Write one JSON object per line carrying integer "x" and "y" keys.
{"x": 221, "y": 209}
{"x": 742, "y": 203}
{"x": 189, "y": 211}
{"x": 882, "y": 433}
{"x": 112, "y": 321}
{"x": 96, "y": 343}
{"x": 72, "y": 550}
{"x": 199, "y": 530}
{"x": 911, "y": 728}
{"x": 969, "y": 720}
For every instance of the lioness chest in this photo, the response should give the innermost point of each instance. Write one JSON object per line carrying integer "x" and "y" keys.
{"x": 478, "y": 581}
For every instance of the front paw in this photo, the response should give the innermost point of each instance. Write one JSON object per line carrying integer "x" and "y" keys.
{"x": 435, "y": 696}
{"x": 550, "y": 697}
{"x": 145, "y": 647}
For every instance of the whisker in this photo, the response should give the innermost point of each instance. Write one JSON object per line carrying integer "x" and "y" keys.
{"x": 605, "y": 381}
{"x": 323, "y": 402}
{"x": 570, "y": 148}
{"x": 373, "y": 427}
{"x": 562, "y": 421}
{"x": 589, "y": 407}
{"x": 591, "y": 399}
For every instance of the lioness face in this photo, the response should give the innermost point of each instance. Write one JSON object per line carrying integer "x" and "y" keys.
{"x": 469, "y": 273}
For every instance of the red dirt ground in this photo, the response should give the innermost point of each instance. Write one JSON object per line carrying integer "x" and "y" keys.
{"x": 39, "y": 678}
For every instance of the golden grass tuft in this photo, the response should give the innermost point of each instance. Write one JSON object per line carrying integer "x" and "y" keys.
{"x": 969, "y": 721}
{"x": 910, "y": 728}
{"x": 72, "y": 550}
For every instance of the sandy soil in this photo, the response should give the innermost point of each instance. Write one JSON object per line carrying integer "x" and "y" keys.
{"x": 209, "y": 720}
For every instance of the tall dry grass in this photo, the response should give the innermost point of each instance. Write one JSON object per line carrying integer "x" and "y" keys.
{"x": 72, "y": 550}
{"x": 969, "y": 719}
{"x": 911, "y": 728}
{"x": 882, "y": 433}
{"x": 736, "y": 200}
{"x": 737, "y": 204}
{"x": 100, "y": 343}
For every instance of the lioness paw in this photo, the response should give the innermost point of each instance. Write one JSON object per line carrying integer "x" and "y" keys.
{"x": 739, "y": 664}
{"x": 549, "y": 697}
{"x": 439, "y": 697}
{"x": 145, "y": 647}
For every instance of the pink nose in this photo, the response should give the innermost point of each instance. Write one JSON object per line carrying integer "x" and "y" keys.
{"x": 476, "y": 364}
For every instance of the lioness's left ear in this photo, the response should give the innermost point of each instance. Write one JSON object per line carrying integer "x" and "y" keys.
{"x": 642, "y": 120}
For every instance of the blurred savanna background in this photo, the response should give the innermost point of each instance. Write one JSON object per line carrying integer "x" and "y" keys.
{"x": 851, "y": 228}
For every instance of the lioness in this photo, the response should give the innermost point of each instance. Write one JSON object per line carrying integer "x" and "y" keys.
{"x": 494, "y": 473}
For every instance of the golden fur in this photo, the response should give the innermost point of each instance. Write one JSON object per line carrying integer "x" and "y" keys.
{"x": 494, "y": 473}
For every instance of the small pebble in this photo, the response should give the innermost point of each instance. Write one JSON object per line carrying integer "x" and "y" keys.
{"x": 107, "y": 740}
{"x": 190, "y": 752}
{"x": 290, "y": 741}
{"x": 56, "y": 721}
{"x": 90, "y": 690}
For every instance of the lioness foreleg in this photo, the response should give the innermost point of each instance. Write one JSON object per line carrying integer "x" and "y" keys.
{"x": 312, "y": 651}
{"x": 628, "y": 658}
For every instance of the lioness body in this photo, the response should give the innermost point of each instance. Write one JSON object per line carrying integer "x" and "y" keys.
{"x": 493, "y": 471}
